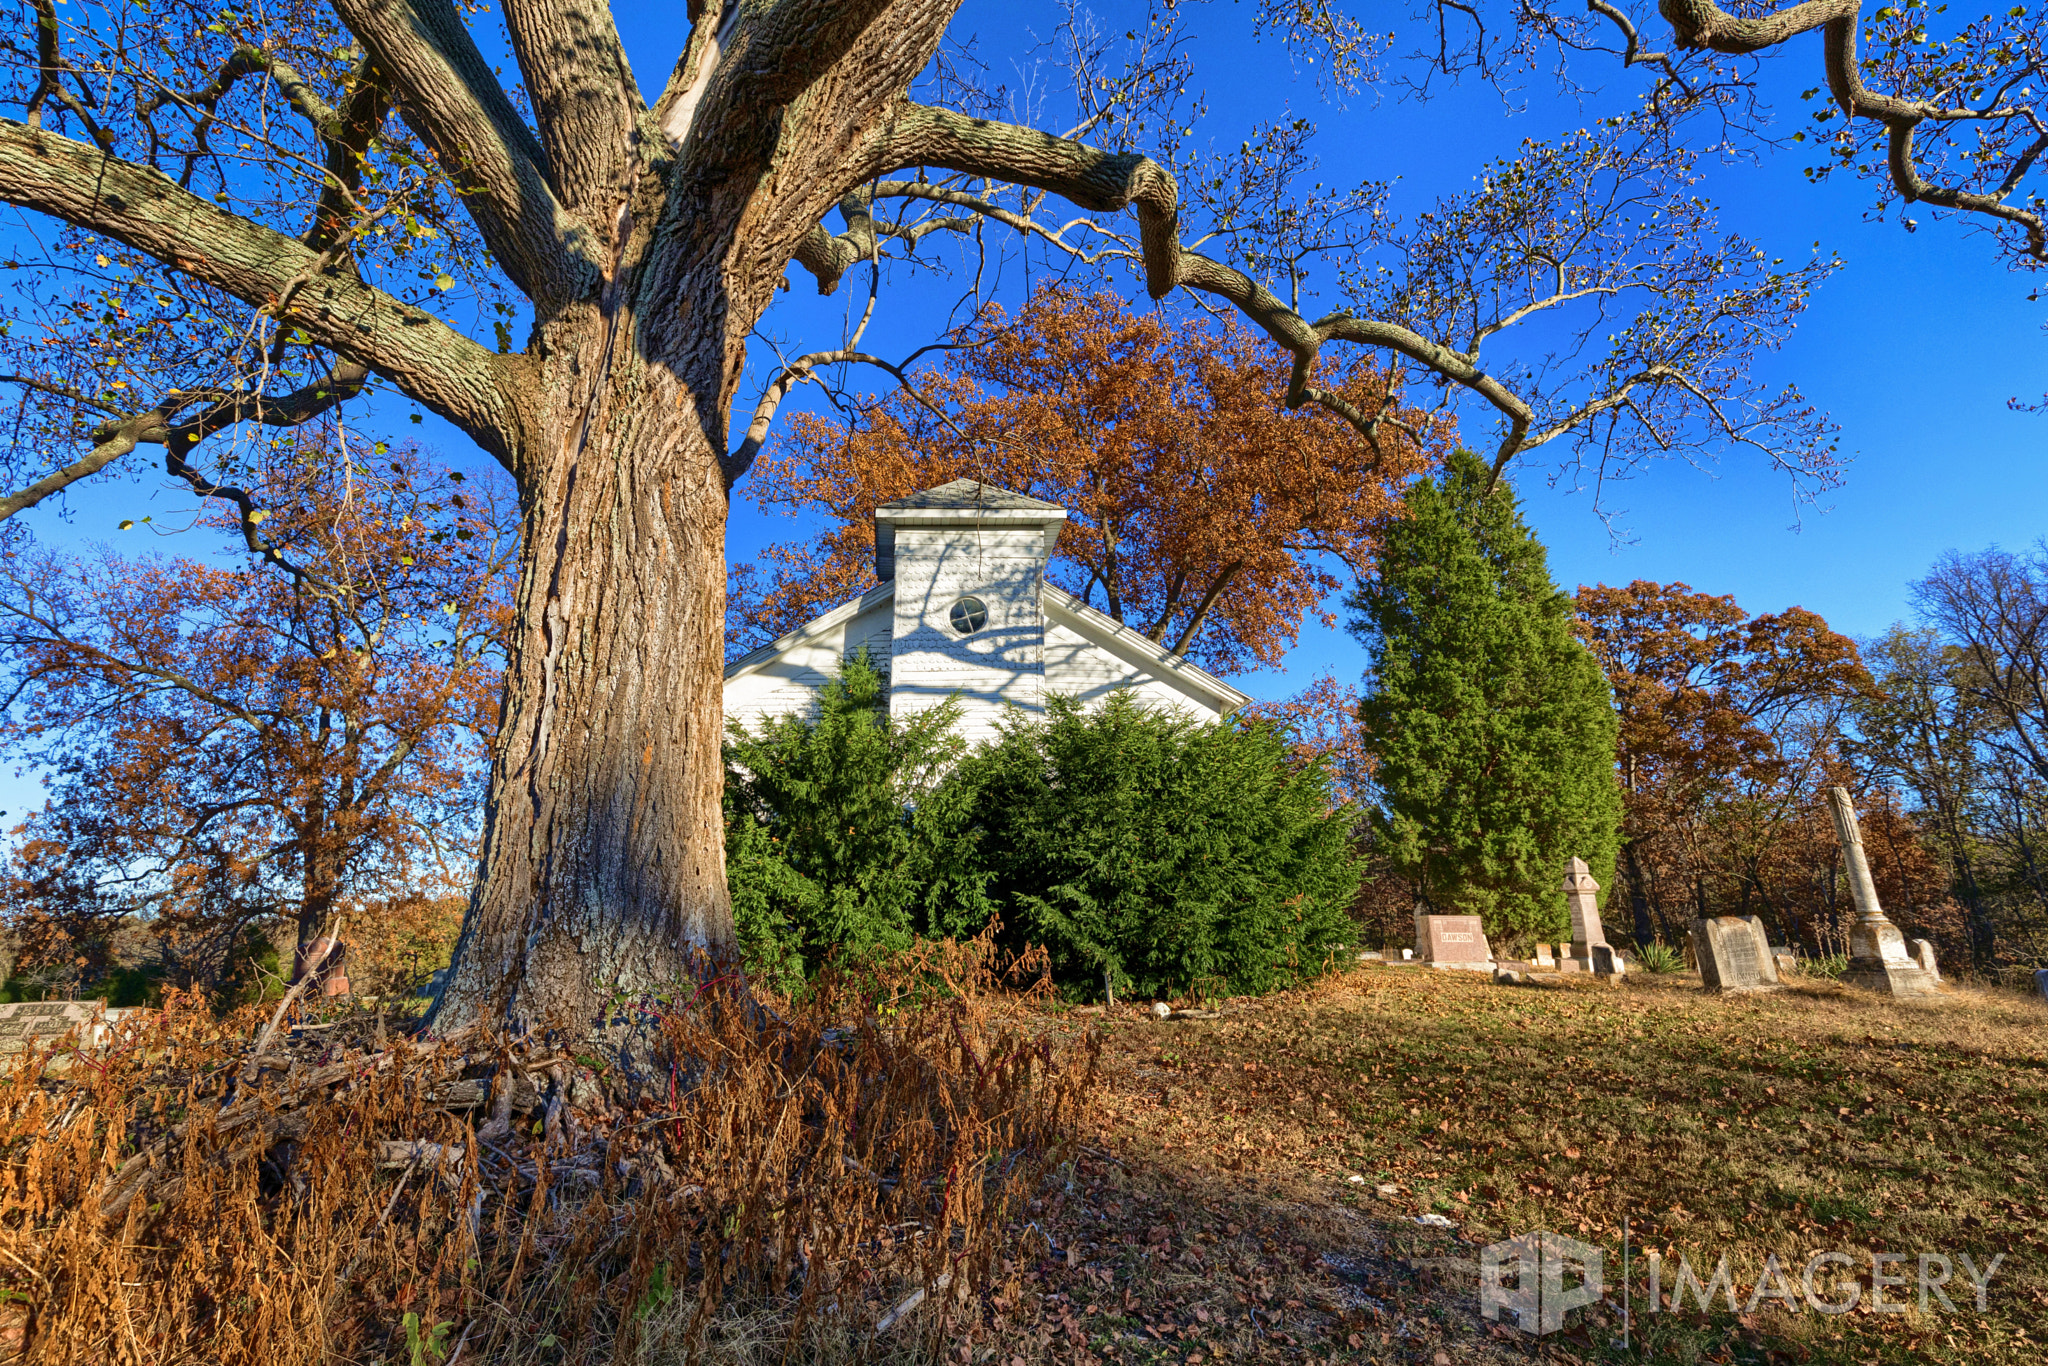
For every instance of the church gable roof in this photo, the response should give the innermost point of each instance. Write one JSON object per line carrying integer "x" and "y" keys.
{"x": 1104, "y": 632}
{"x": 962, "y": 503}
{"x": 969, "y": 495}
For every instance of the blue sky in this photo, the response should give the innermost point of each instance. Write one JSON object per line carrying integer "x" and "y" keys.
{"x": 1914, "y": 348}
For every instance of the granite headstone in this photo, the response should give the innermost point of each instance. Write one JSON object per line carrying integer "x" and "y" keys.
{"x": 1452, "y": 941}
{"x": 1878, "y": 960}
{"x": 1735, "y": 954}
{"x": 1582, "y": 896}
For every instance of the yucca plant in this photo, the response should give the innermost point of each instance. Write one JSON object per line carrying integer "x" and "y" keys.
{"x": 1659, "y": 957}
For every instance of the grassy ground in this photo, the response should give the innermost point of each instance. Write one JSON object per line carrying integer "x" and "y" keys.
{"x": 1215, "y": 1215}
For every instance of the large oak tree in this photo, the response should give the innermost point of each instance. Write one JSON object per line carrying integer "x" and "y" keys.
{"x": 245, "y": 216}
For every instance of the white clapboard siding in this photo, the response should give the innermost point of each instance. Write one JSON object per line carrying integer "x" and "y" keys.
{"x": 995, "y": 667}
{"x": 787, "y": 675}
{"x": 1088, "y": 656}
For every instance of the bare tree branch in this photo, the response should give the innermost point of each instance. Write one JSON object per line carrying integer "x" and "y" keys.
{"x": 447, "y": 94}
{"x": 421, "y": 355}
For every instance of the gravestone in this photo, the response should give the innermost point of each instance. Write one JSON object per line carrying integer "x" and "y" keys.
{"x": 1452, "y": 941}
{"x": 2041, "y": 983}
{"x": 1544, "y": 960}
{"x": 1923, "y": 954}
{"x": 1608, "y": 962}
{"x": 1878, "y": 960}
{"x": 1735, "y": 954}
{"x": 1582, "y": 895}
{"x": 25, "y": 1022}
{"x": 1787, "y": 961}
{"x": 329, "y": 959}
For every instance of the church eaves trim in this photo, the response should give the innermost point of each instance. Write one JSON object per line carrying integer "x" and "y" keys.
{"x": 810, "y": 630}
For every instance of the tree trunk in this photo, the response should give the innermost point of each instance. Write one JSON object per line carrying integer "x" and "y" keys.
{"x": 1638, "y": 899}
{"x": 319, "y": 875}
{"x": 603, "y": 868}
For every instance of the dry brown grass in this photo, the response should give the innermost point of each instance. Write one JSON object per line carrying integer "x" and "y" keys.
{"x": 770, "y": 1190}
{"x": 1813, "y": 1119}
{"x": 1100, "y": 1188}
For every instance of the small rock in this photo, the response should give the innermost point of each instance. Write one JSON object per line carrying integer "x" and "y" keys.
{"x": 1160, "y": 1010}
{"x": 1355, "y": 1180}
{"x": 1511, "y": 977}
{"x": 1434, "y": 1220}
{"x": 1388, "y": 1189}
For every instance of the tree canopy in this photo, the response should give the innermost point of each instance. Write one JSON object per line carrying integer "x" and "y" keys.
{"x": 227, "y": 746}
{"x": 1201, "y": 511}
{"x": 246, "y": 218}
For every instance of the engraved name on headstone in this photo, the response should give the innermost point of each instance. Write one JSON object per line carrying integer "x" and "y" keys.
{"x": 1735, "y": 954}
{"x": 1452, "y": 941}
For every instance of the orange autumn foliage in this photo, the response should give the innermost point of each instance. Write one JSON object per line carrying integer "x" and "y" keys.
{"x": 233, "y": 746}
{"x": 1201, "y": 511}
{"x": 1733, "y": 727}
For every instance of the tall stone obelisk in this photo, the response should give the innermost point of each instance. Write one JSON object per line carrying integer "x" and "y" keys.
{"x": 1590, "y": 949}
{"x": 1878, "y": 958}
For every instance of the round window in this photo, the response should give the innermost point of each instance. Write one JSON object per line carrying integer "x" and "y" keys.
{"x": 969, "y": 615}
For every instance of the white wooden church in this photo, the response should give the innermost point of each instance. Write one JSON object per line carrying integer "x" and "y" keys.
{"x": 963, "y": 609}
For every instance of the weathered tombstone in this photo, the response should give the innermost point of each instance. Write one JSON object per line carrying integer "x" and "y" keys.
{"x": 2041, "y": 983}
{"x": 1452, "y": 941}
{"x": 329, "y": 959}
{"x": 1878, "y": 960}
{"x": 1923, "y": 954}
{"x": 1582, "y": 894}
{"x": 1544, "y": 960}
{"x": 26, "y": 1022}
{"x": 1787, "y": 961}
{"x": 1608, "y": 962}
{"x": 1735, "y": 954}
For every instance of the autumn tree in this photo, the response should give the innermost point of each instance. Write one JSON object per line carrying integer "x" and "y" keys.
{"x": 231, "y": 743}
{"x": 1732, "y": 728}
{"x": 246, "y": 216}
{"x": 1967, "y": 730}
{"x": 1489, "y": 727}
{"x": 1923, "y": 725}
{"x": 1201, "y": 511}
{"x": 1712, "y": 703}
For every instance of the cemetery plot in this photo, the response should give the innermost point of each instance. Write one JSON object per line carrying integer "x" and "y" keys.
{"x": 1829, "y": 1118}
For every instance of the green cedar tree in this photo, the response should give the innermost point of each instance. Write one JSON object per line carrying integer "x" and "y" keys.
{"x": 1492, "y": 728}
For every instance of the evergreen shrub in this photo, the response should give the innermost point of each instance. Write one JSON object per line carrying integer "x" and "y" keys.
{"x": 1143, "y": 849}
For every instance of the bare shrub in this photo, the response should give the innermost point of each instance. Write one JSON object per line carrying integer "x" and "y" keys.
{"x": 784, "y": 1173}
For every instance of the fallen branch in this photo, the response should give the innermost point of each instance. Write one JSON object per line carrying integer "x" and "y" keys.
{"x": 306, "y": 978}
{"x": 910, "y": 1302}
